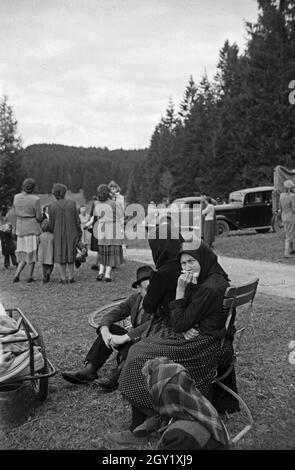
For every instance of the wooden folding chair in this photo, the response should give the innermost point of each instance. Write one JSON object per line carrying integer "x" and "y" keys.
{"x": 235, "y": 297}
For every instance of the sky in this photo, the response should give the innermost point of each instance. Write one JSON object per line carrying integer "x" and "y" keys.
{"x": 100, "y": 73}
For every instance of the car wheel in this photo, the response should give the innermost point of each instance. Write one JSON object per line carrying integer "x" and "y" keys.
{"x": 262, "y": 230}
{"x": 223, "y": 228}
{"x": 277, "y": 223}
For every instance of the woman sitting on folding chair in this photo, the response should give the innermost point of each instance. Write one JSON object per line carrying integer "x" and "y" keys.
{"x": 191, "y": 336}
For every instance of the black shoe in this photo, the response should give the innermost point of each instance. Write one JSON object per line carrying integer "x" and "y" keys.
{"x": 99, "y": 277}
{"x": 108, "y": 279}
{"x": 15, "y": 279}
{"x": 110, "y": 384}
{"x": 79, "y": 378}
{"x": 72, "y": 280}
{"x": 30, "y": 279}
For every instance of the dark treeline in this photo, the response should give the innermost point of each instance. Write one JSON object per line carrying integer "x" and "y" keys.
{"x": 231, "y": 132}
{"x": 78, "y": 167}
{"x": 228, "y": 133}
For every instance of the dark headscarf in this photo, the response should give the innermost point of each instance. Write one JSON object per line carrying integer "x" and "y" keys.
{"x": 28, "y": 185}
{"x": 205, "y": 256}
{"x": 165, "y": 242}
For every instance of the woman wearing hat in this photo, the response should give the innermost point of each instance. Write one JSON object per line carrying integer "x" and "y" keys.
{"x": 27, "y": 208}
{"x": 287, "y": 207}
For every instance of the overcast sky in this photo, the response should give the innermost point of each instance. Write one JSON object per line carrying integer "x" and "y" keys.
{"x": 100, "y": 72}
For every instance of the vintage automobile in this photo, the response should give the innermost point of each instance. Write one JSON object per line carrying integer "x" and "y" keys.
{"x": 250, "y": 208}
{"x": 185, "y": 213}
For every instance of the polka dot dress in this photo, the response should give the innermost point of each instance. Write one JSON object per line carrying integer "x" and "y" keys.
{"x": 199, "y": 356}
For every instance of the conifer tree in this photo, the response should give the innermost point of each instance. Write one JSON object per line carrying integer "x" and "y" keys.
{"x": 11, "y": 171}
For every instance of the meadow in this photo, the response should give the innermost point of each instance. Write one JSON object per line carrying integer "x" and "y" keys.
{"x": 79, "y": 417}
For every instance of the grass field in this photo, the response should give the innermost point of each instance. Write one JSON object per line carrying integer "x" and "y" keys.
{"x": 244, "y": 244}
{"x": 78, "y": 417}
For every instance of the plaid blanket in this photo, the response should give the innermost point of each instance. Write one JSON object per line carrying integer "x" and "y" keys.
{"x": 174, "y": 395}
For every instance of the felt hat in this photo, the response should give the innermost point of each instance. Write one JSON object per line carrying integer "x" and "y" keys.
{"x": 142, "y": 273}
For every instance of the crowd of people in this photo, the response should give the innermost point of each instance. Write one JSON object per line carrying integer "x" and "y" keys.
{"x": 59, "y": 233}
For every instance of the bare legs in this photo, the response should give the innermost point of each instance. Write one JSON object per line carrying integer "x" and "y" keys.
{"x": 20, "y": 268}
{"x": 63, "y": 272}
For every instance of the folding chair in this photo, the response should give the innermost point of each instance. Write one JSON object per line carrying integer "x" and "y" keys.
{"x": 234, "y": 297}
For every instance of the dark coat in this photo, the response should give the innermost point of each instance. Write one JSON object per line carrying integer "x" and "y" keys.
{"x": 201, "y": 307}
{"x": 128, "y": 307}
{"x": 163, "y": 281}
{"x": 64, "y": 223}
{"x": 162, "y": 289}
{"x": 8, "y": 243}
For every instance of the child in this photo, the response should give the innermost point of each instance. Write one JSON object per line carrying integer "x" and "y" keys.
{"x": 84, "y": 218}
{"x": 82, "y": 254}
{"x": 8, "y": 244}
{"x": 45, "y": 250}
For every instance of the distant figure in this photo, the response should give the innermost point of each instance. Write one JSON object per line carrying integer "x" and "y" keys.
{"x": 209, "y": 222}
{"x": 8, "y": 244}
{"x": 116, "y": 193}
{"x": 84, "y": 218}
{"x": 45, "y": 212}
{"x": 10, "y": 218}
{"x": 287, "y": 207}
{"x": 27, "y": 208}
{"x": 107, "y": 232}
{"x": 45, "y": 251}
{"x": 64, "y": 223}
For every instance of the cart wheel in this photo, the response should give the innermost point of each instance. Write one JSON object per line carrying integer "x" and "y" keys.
{"x": 40, "y": 386}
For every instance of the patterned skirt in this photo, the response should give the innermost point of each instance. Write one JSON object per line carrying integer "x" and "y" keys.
{"x": 26, "y": 248}
{"x": 110, "y": 255}
{"x": 199, "y": 356}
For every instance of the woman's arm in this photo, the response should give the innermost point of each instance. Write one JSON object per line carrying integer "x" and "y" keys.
{"x": 184, "y": 316}
{"x": 38, "y": 210}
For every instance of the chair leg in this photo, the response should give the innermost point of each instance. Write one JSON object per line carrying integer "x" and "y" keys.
{"x": 243, "y": 405}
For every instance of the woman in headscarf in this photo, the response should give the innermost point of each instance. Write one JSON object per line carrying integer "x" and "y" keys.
{"x": 64, "y": 223}
{"x": 189, "y": 329}
{"x": 27, "y": 208}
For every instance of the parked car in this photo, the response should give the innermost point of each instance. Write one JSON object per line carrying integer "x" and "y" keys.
{"x": 250, "y": 208}
{"x": 185, "y": 212}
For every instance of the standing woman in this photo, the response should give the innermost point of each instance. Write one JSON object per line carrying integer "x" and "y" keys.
{"x": 27, "y": 208}
{"x": 209, "y": 222}
{"x": 107, "y": 230}
{"x": 64, "y": 223}
{"x": 287, "y": 207}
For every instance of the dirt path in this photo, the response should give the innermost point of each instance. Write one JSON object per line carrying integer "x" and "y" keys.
{"x": 274, "y": 278}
